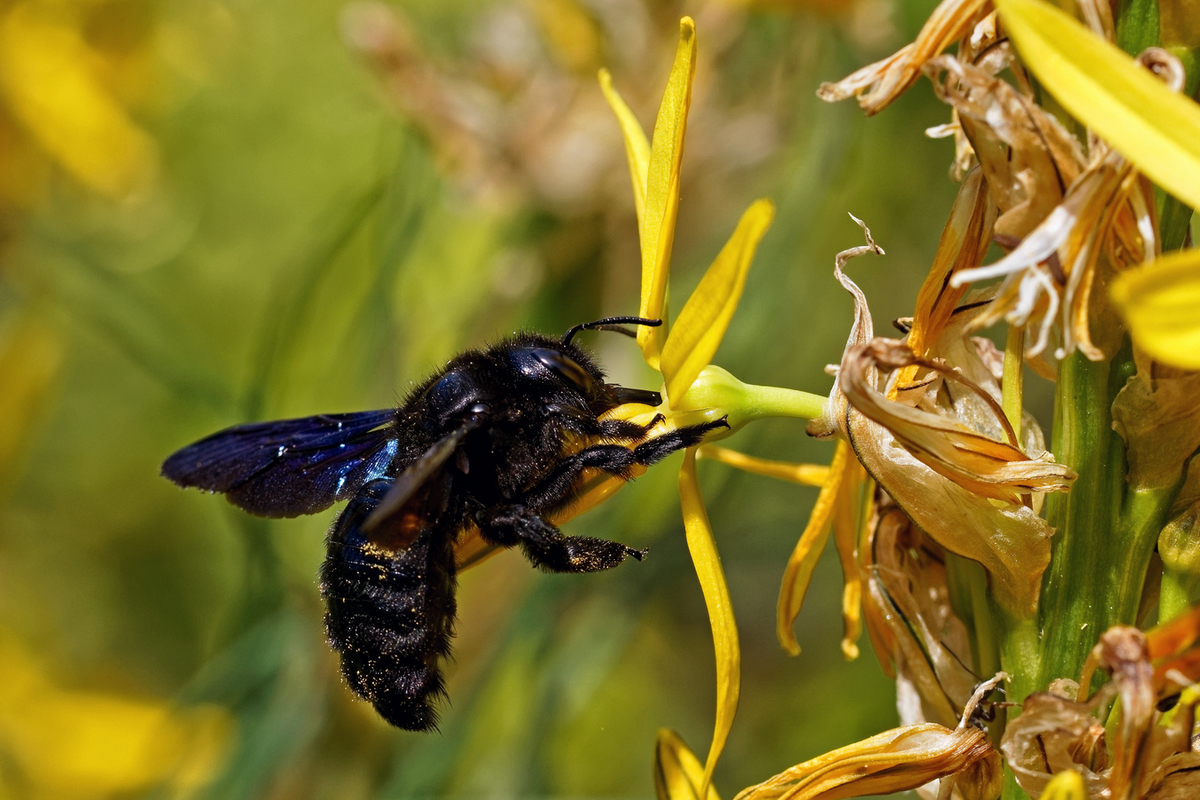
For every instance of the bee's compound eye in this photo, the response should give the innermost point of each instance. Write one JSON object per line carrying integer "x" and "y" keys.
{"x": 537, "y": 359}
{"x": 453, "y": 393}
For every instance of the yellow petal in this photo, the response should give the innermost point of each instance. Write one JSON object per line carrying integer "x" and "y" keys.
{"x": 893, "y": 761}
{"x": 662, "y": 189}
{"x": 720, "y": 611}
{"x": 845, "y": 539}
{"x": 1160, "y": 302}
{"x": 637, "y": 148}
{"x": 1067, "y": 785}
{"x": 807, "y": 552}
{"x": 803, "y": 474}
{"x": 47, "y": 74}
{"x": 678, "y": 774}
{"x": 1156, "y": 129}
{"x": 697, "y": 333}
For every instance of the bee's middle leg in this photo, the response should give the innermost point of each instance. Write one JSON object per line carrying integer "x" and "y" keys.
{"x": 545, "y": 545}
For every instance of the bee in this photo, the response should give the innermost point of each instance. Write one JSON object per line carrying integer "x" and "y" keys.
{"x": 501, "y": 438}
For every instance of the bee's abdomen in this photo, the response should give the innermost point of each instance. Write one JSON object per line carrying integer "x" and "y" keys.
{"x": 390, "y": 613}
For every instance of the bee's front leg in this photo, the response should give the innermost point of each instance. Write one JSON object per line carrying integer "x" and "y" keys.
{"x": 545, "y": 545}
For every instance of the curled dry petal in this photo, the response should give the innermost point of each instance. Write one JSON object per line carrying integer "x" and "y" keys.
{"x": 893, "y": 761}
{"x": 1027, "y": 156}
{"x": 861, "y": 332}
{"x": 1011, "y": 542}
{"x": 965, "y": 241}
{"x": 928, "y": 642}
{"x": 878, "y": 84}
{"x": 986, "y": 467}
{"x": 1054, "y": 734}
{"x": 1178, "y": 778}
{"x": 1157, "y": 415}
{"x": 1051, "y": 272}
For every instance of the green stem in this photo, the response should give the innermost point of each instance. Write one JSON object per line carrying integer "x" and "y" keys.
{"x": 775, "y": 401}
{"x": 1175, "y": 595}
{"x": 1141, "y": 520}
{"x": 1074, "y": 607}
{"x": 1012, "y": 387}
{"x": 1174, "y": 219}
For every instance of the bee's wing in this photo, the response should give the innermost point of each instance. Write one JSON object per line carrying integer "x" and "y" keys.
{"x": 289, "y": 467}
{"x": 410, "y": 485}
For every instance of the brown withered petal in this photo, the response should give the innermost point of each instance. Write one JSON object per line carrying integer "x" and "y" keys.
{"x": 930, "y": 644}
{"x": 984, "y": 466}
{"x": 1157, "y": 415}
{"x": 1051, "y": 273}
{"x": 893, "y": 761}
{"x": 1011, "y": 542}
{"x": 1027, "y": 156}
{"x": 1178, "y": 778}
{"x": 1122, "y": 651}
{"x": 861, "y": 331}
{"x": 965, "y": 241}
{"x": 878, "y": 84}
{"x": 1053, "y": 734}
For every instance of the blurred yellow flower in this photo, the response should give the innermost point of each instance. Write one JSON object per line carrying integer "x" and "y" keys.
{"x": 66, "y": 742}
{"x": 51, "y": 81}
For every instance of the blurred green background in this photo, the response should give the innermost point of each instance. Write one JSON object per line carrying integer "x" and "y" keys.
{"x": 215, "y": 212}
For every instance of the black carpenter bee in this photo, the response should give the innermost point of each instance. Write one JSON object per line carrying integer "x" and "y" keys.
{"x": 500, "y": 439}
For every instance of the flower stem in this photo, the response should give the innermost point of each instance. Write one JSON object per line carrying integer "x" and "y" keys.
{"x": 1104, "y": 532}
{"x": 1012, "y": 382}
{"x": 775, "y": 401}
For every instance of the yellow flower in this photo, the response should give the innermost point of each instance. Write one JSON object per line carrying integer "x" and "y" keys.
{"x": 694, "y": 389}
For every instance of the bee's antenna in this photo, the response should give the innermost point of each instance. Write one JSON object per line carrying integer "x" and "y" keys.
{"x": 611, "y": 324}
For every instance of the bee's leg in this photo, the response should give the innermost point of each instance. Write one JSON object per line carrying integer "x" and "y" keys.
{"x": 660, "y": 447}
{"x": 545, "y": 545}
{"x": 614, "y": 459}
{"x": 624, "y": 429}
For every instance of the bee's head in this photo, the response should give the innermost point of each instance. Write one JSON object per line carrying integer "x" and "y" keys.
{"x": 574, "y": 369}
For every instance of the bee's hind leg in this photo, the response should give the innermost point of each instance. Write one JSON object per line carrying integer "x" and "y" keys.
{"x": 545, "y": 545}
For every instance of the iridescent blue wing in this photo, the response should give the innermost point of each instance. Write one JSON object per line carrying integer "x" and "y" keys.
{"x": 289, "y": 467}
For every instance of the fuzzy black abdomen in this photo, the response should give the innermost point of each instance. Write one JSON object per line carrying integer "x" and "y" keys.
{"x": 390, "y": 613}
